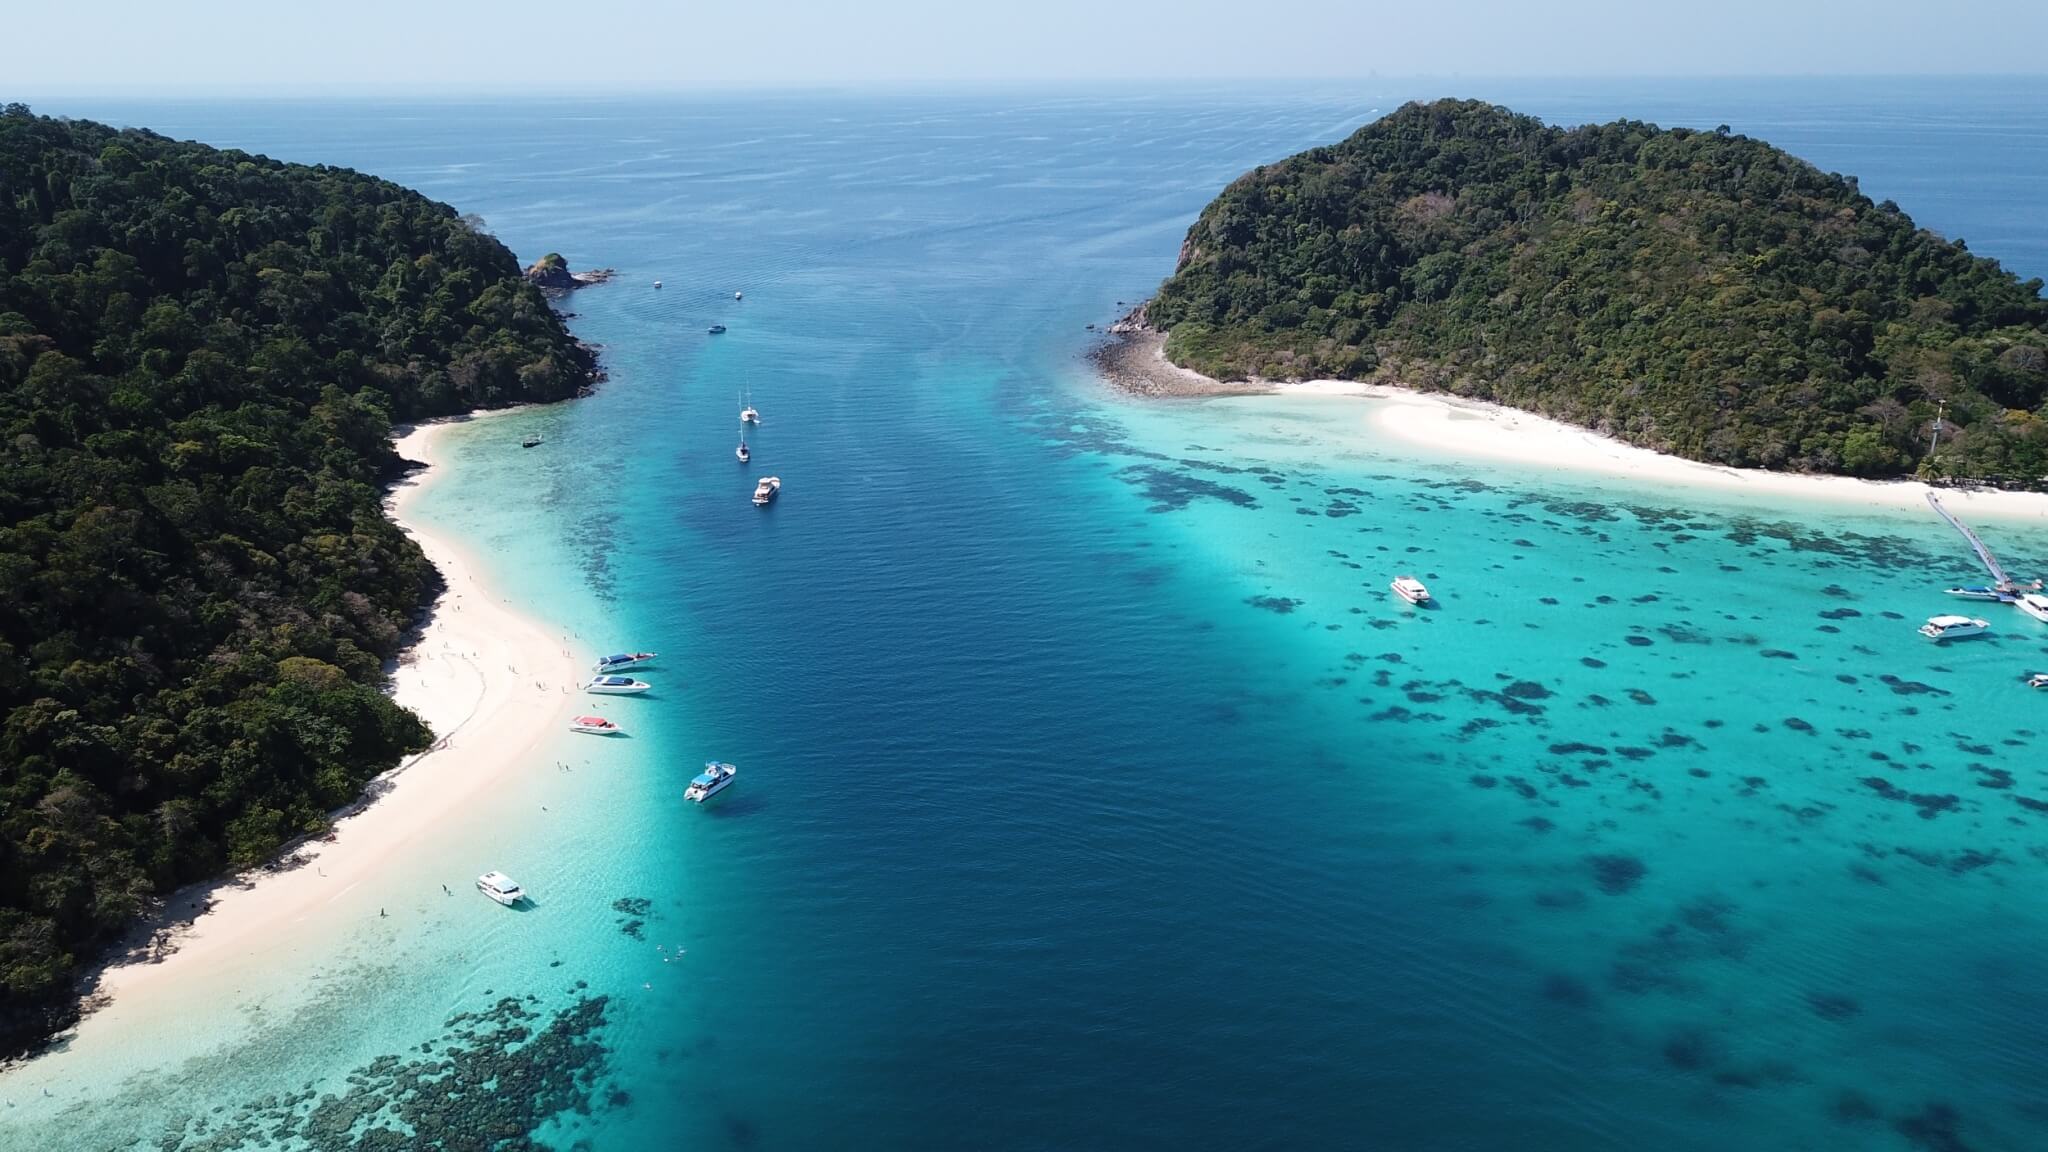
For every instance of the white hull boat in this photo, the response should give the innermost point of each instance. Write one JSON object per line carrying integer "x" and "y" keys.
{"x": 2033, "y": 604}
{"x": 1410, "y": 589}
{"x": 616, "y": 686}
{"x": 620, "y": 661}
{"x": 1953, "y": 627}
{"x": 715, "y": 778}
{"x": 594, "y": 726}
{"x": 501, "y": 888}
{"x": 1975, "y": 593}
{"x": 767, "y": 490}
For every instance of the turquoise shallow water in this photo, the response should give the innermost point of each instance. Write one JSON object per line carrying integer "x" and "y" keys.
{"x": 1095, "y": 793}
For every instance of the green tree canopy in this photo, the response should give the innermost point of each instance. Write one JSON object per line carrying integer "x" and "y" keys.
{"x": 1699, "y": 293}
{"x": 202, "y": 354}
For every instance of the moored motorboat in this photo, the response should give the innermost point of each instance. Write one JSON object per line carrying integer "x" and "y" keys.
{"x": 620, "y": 661}
{"x": 715, "y": 778}
{"x": 1975, "y": 593}
{"x": 530, "y": 442}
{"x": 2033, "y": 604}
{"x": 767, "y": 490}
{"x": 595, "y": 726}
{"x": 501, "y": 888}
{"x": 2038, "y": 680}
{"x": 716, "y": 329}
{"x": 1410, "y": 589}
{"x": 616, "y": 686}
{"x": 739, "y": 295}
{"x": 657, "y": 283}
{"x": 749, "y": 416}
{"x": 1953, "y": 627}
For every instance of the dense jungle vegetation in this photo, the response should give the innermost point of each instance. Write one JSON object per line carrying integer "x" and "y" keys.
{"x": 1699, "y": 293}
{"x": 202, "y": 354}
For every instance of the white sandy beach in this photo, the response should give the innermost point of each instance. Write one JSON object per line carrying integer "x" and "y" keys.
{"x": 1460, "y": 428}
{"x": 491, "y": 683}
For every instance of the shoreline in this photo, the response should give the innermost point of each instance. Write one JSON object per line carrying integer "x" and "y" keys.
{"x": 490, "y": 683}
{"x": 1134, "y": 361}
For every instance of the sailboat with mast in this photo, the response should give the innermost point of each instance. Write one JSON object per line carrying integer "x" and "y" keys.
{"x": 743, "y": 452}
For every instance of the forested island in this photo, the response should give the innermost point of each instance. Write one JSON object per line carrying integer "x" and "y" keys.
{"x": 202, "y": 354}
{"x": 1699, "y": 293}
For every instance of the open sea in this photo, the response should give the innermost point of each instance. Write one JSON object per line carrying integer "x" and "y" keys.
{"x": 1094, "y": 791}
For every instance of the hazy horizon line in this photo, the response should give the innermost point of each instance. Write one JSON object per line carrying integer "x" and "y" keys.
{"x": 1031, "y": 84}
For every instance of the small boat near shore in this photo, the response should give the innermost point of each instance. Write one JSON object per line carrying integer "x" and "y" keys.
{"x": 616, "y": 686}
{"x": 1953, "y": 627}
{"x": 1410, "y": 589}
{"x": 2033, "y": 604}
{"x": 715, "y": 778}
{"x": 767, "y": 490}
{"x": 501, "y": 888}
{"x": 620, "y": 661}
{"x": 595, "y": 726}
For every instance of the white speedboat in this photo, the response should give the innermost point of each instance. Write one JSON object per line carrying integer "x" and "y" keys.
{"x": 501, "y": 888}
{"x": 595, "y": 726}
{"x": 657, "y": 283}
{"x": 1975, "y": 593}
{"x": 620, "y": 661}
{"x": 1410, "y": 589}
{"x": 739, "y": 296}
{"x": 715, "y": 778}
{"x": 616, "y": 686}
{"x": 749, "y": 416}
{"x": 1953, "y": 627}
{"x": 2033, "y": 604}
{"x": 2038, "y": 680}
{"x": 766, "y": 491}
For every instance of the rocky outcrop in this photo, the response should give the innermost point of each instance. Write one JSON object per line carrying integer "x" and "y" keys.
{"x": 551, "y": 274}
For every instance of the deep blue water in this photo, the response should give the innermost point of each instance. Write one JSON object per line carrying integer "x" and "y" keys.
{"x": 1094, "y": 792}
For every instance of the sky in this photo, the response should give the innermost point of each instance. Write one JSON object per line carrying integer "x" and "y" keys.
{"x": 413, "y": 46}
